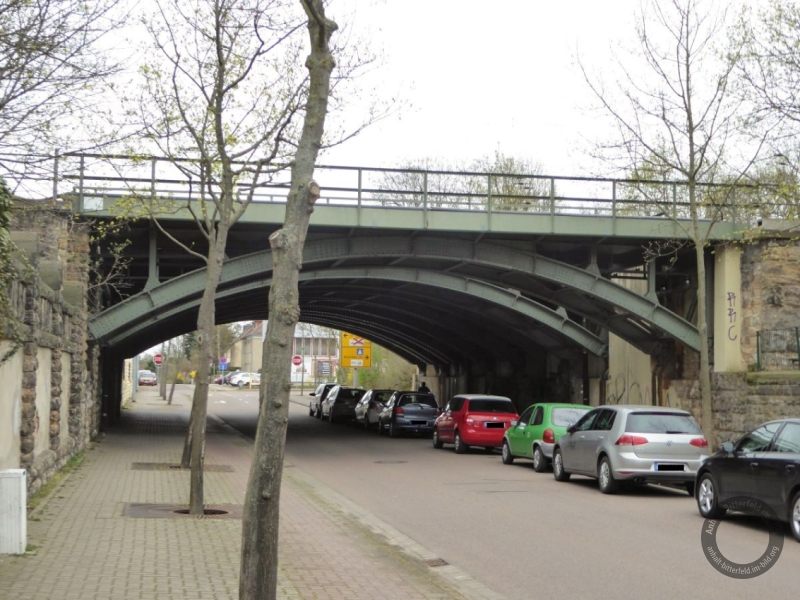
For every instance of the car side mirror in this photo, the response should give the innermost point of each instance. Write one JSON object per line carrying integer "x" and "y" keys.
{"x": 571, "y": 429}
{"x": 514, "y": 423}
{"x": 728, "y": 447}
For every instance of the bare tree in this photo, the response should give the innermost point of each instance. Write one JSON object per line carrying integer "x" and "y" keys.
{"x": 220, "y": 101}
{"x": 680, "y": 116}
{"x": 53, "y": 69}
{"x": 259, "y": 570}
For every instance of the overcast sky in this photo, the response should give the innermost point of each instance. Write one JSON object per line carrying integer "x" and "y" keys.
{"x": 479, "y": 77}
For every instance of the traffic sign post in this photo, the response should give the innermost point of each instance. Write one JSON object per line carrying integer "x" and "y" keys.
{"x": 356, "y": 351}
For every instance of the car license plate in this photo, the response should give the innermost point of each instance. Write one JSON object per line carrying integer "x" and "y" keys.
{"x": 419, "y": 422}
{"x": 668, "y": 467}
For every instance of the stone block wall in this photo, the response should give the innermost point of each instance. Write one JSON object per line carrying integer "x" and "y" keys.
{"x": 57, "y": 402}
{"x": 770, "y": 290}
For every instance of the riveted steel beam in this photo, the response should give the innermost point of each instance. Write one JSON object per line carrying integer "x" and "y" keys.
{"x": 492, "y": 294}
{"x": 175, "y": 293}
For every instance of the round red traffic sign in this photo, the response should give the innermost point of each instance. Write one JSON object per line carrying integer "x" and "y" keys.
{"x": 297, "y": 361}
{"x": 158, "y": 359}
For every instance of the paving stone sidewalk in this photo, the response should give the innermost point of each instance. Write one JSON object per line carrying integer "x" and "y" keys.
{"x": 84, "y": 547}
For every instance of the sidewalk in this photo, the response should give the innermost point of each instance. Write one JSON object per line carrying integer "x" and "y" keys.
{"x": 87, "y": 545}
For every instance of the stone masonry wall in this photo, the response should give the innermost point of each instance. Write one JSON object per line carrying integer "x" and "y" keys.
{"x": 55, "y": 328}
{"x": 770, "y": 290}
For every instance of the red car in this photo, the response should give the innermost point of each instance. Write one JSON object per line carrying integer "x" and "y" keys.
{"x": 474, "y": 420}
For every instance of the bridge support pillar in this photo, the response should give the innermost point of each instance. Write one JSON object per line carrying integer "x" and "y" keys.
{"x": 728, "y": 310}
{"x": 111, "y": 371}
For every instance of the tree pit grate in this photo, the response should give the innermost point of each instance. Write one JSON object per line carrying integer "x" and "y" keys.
{"x": 390, "y": 462}
{"x": 140, "y": 510}
{"x": 139, "y": 466}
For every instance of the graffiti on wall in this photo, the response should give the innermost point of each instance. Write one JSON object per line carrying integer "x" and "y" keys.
{"x": 732, "y": 323}
{"x": 621, "y": 391}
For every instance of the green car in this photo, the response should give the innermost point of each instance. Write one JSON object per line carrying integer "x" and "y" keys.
{"x": 537, "y": 431}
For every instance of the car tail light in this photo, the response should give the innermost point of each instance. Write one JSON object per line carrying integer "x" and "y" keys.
{"x": 549, "y": 437}
{"x": 699, "y": 442}
{"x": 631, "y": 440}
{"x": 399, "y": 410}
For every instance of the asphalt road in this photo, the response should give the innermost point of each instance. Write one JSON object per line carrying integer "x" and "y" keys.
{"x": 522, "y": 533}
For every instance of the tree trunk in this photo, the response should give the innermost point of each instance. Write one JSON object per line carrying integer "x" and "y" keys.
{"x": 259, "y": 568}
{"x": 205, "y": 347}
{"x": 707, "y": 416}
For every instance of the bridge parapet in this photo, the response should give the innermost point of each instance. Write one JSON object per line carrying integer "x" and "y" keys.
{"x": 476, "y": 201}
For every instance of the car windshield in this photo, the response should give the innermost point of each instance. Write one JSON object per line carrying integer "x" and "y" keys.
{"x": 345, "y": 394}
{"x": 425, "y": 399}
{"x": 486, "y": 405}
{"x": 661, "y": 422}
{"x": 566, "y": 417}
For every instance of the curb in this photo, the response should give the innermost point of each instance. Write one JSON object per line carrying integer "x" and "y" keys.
{"x": 379, "y": 530}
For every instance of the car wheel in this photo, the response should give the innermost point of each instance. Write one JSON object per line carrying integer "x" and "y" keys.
{"x": 608, "y": 485}
{"x": 318, "y": 411}
{"x": 458, "y": 445}
{"x": 310, "y": 410}
{"x": 707, "y": 499}
{"x": 508, "y": 458}
{"x": 794, "y": 516}
{"x": 240, "y": 384}
{"x": 539, "y": 461}
{"x": 392, "y": 430}
{"x": 366, "y": 421}
{"x": 330, "y": 416}
{"x": 437, "y": 443}
{"x": 558, "y": 466}
{"x": 689, "y": 487}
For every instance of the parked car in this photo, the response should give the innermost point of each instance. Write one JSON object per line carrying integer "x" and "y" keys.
{"x": 538, "y": 429}
{"x": 219, "y": 378}
{"x": 644, "y": 444}
{"x": 146, "y": 378}
{"x": 314, "y": 407}
{"x": 226, "y": 378}
{"x": 370, "y": 407}
{"x": 474, "y": 420}
{"x": 408, "y": 411}
{"x": 244, "y": 378}
{"x": 763, "y": 465}
{"x": 340, "y": 403}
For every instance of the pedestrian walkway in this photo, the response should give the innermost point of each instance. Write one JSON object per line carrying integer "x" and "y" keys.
{"x": 85, "y": 543}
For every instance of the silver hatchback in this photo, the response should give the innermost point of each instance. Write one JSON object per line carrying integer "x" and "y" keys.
{"x": 646, "y": 444}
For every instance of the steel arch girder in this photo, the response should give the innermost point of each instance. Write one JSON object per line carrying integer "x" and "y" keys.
{"x": 492, "y": 294}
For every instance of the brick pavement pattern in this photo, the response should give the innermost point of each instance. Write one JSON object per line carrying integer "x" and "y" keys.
{"x": 85, "y": 549}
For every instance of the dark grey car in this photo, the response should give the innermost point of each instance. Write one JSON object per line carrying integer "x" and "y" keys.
{"x": 408, "y": 411}
{"x": 340, "y": 403}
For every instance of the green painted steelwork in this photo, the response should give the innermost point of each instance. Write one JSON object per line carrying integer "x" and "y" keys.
{"x": 439, "y": 201}
{"x": 245, "y": 269}
{"x": 144, "y": 312}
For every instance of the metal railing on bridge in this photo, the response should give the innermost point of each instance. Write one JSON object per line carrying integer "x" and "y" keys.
{"x": 90, "y": 178}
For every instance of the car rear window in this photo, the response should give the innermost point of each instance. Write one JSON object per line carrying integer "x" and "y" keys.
{"x": 501, "y": 406}
{"x": 660, "y": 422}
{"x": 351, "y": 394}
{"x": 566, "y": 417}
{"x": 421, "y": 399}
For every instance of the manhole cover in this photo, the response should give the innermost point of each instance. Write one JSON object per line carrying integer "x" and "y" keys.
{"x": 137, "y": 510}
{"x": 389, "y": 462}
{"x": 435, "y": 562}
{"x": 138, "y": 466}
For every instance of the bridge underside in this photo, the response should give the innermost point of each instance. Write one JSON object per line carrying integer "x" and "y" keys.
{"x": 462, "y": 303}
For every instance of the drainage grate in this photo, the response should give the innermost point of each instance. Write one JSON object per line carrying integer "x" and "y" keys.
{"x": 389, "y": 462}
{"x": 137, "y": 466}
{"x": 137, "y": 510}
{"x": 435, "y": 562}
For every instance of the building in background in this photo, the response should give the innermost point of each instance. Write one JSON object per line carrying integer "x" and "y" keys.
{"x": 317, "y": 346}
